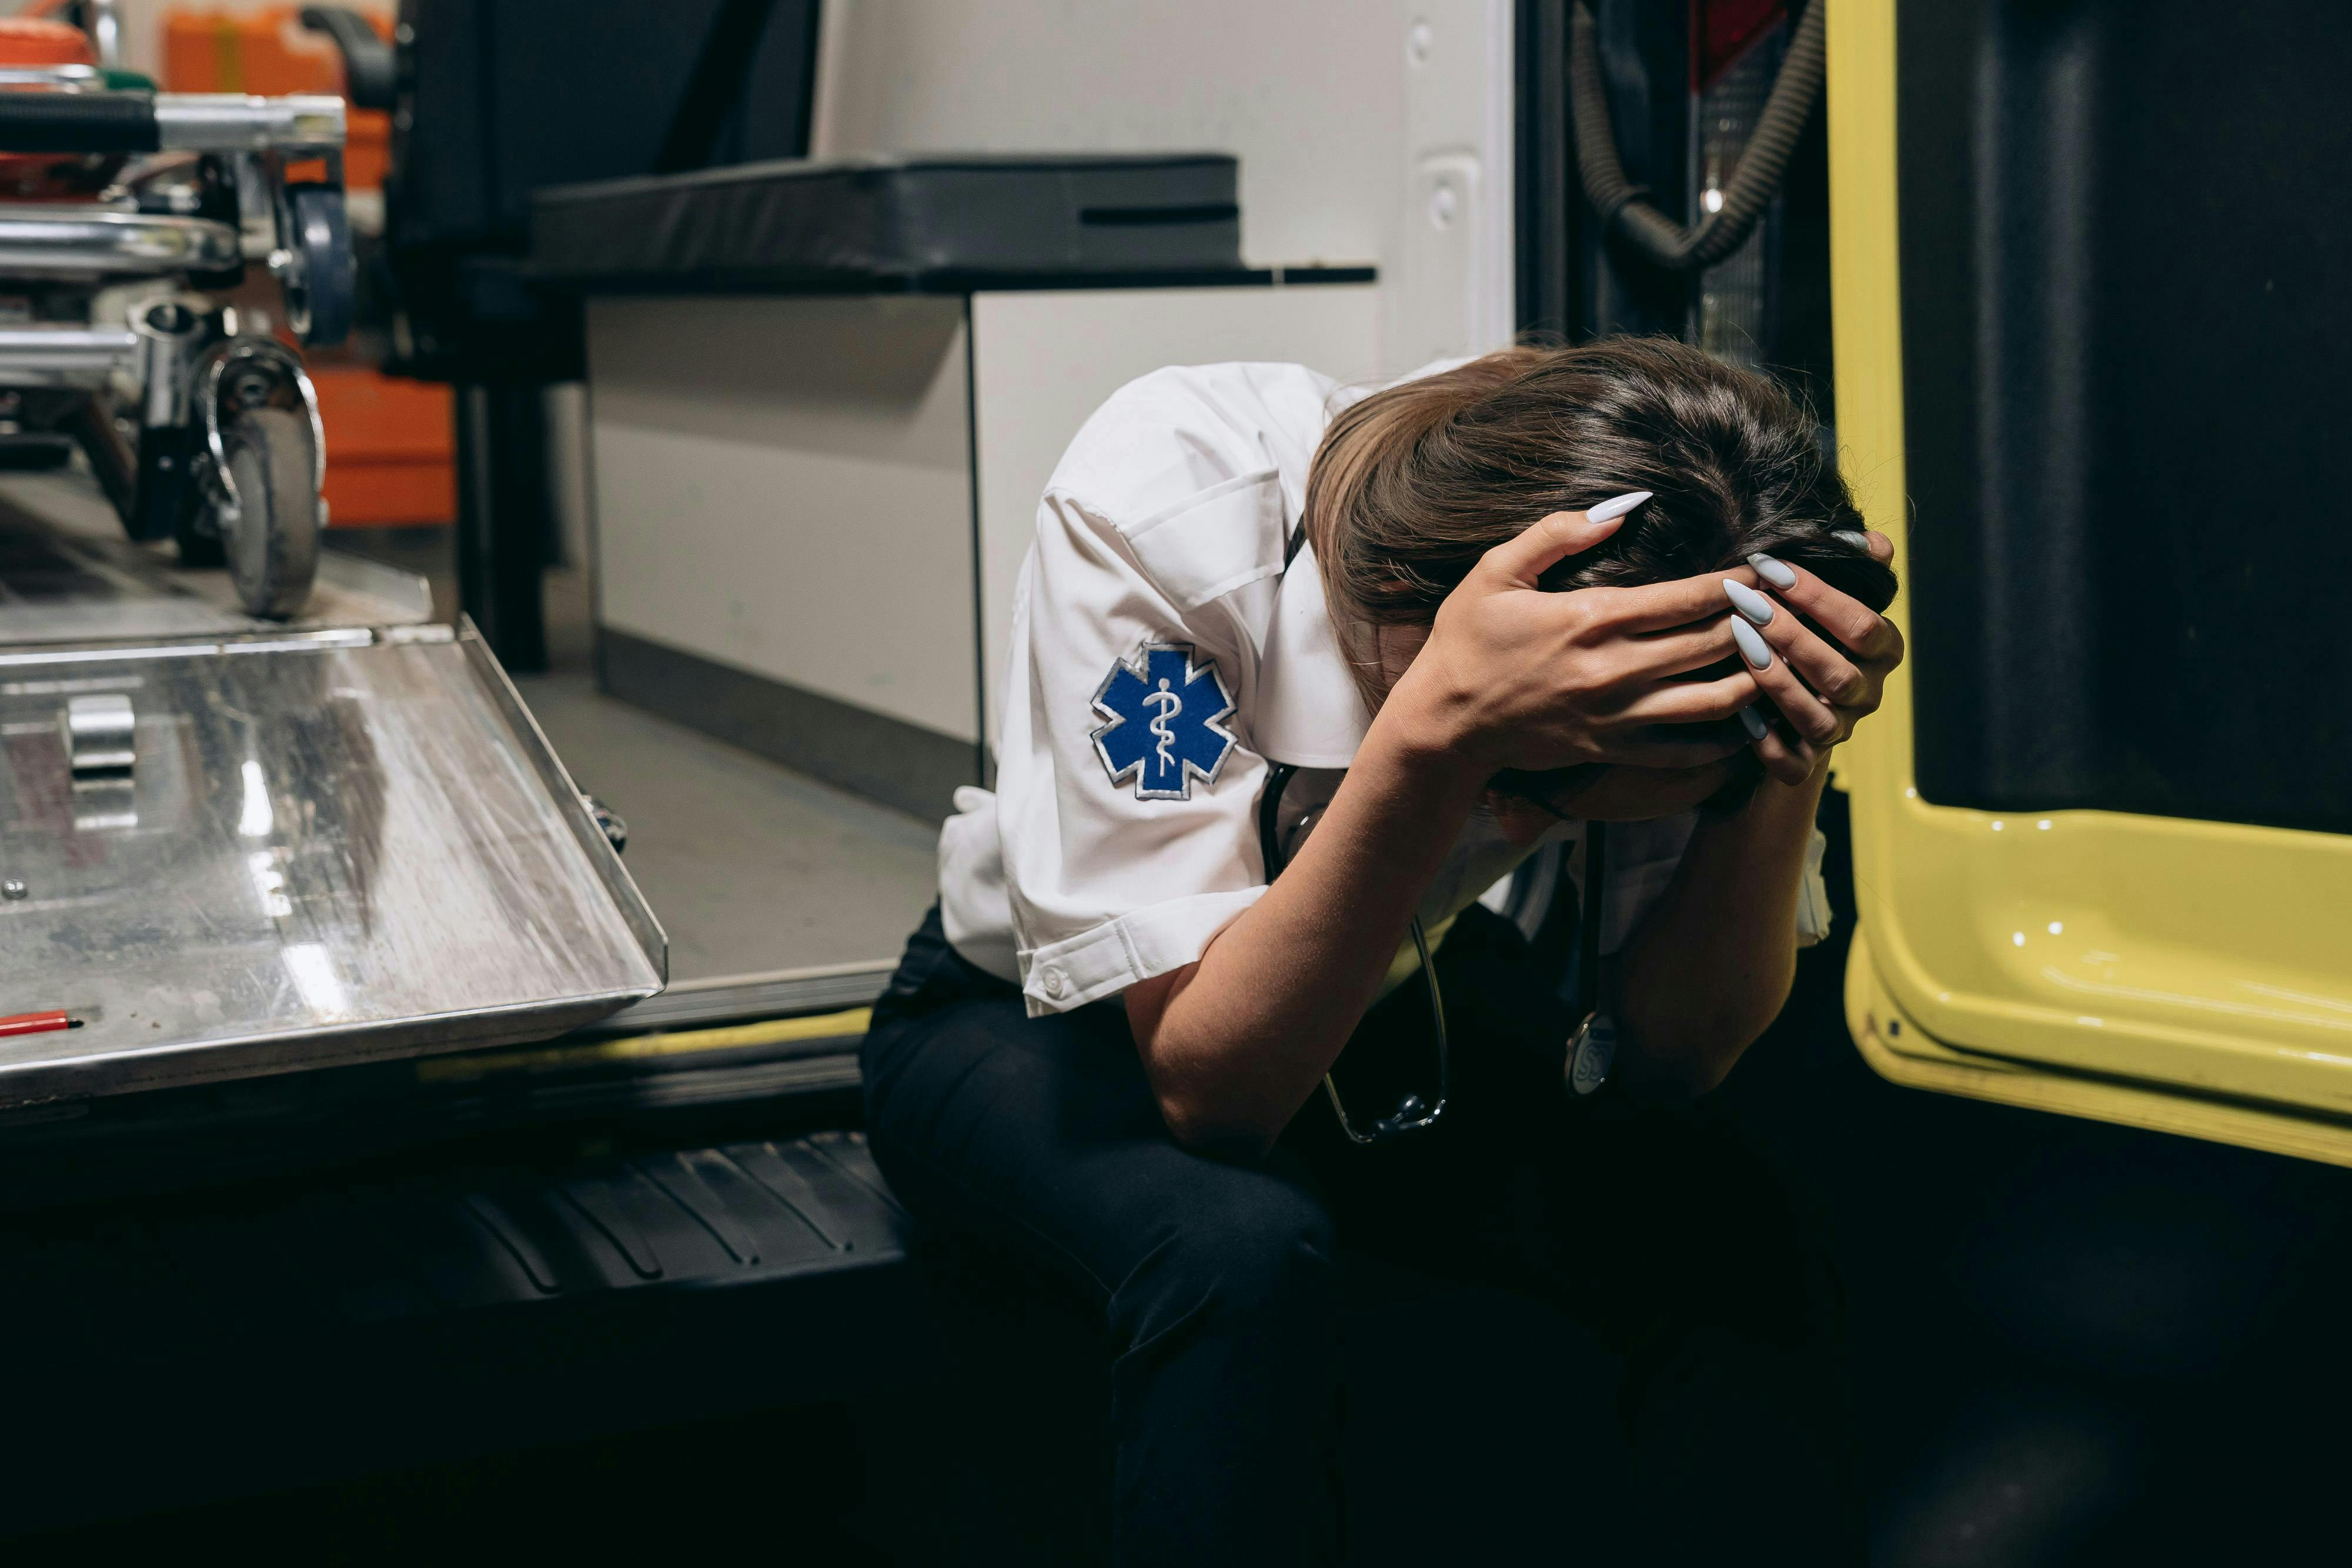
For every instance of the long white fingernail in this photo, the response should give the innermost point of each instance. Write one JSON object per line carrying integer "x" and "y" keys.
{"x": 1779, "y": 574}
{"x": 1616, "y": 506}
{"x": 1858, "y": 539}
{"x": 1757, "y": 650}
{"x": 1753, "y": 723}
{"x": 1748, "y": 602}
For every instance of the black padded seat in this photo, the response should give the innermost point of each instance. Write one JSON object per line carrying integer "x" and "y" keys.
{"x": 946, "y": 221}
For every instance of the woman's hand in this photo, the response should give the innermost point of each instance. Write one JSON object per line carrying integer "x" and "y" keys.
{"x": 1820, "y": 690}
{"x": 1512, "y": 676}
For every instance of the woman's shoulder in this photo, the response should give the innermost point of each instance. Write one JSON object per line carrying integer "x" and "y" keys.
{"x": 1169, "y": 436}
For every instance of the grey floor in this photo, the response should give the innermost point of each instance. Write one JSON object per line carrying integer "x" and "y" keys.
{"x": 752, "y": 867}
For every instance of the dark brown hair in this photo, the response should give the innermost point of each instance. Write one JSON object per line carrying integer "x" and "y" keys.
{"x": 1413, "y": 484}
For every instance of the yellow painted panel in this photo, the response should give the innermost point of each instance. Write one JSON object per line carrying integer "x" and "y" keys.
{"x": 463, "y": 1069}
{"x": 2206, "y": 965}
{"x": 1894, "y": 1045}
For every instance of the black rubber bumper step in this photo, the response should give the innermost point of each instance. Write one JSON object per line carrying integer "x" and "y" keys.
{"x": 468, "y": 1237}
{"x": 297, "y": 1331}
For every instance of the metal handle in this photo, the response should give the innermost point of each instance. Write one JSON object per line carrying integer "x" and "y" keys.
{"x": 65, "y": 78}
{"x": 75, "y": 241}
{"x": 63, "y": 356}
{"x": 234, "y": 122}
{"x": 101, "y": 733}
{"x": 181, "y": 122}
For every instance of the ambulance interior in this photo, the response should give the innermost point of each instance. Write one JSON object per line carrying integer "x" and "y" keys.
{"x": 704, "y": 365}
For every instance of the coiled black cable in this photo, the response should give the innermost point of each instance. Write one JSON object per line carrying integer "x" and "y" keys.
{"x": 1753, "y": 186}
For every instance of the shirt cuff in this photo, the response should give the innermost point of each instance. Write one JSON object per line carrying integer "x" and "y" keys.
{"x": 1108, "y": 958}
{"x": 1814, "y": 921}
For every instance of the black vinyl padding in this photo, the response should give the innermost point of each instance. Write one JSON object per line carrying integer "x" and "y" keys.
{"x": 895, "y": 220}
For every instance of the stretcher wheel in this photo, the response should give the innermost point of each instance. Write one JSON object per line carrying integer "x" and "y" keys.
{"x": 320, "y": 278}
{"x": 273, "y": 539}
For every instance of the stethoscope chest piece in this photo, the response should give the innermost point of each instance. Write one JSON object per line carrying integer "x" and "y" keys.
{"x": 1592, "y": 1050}
{"x": 1592, "y": 1053}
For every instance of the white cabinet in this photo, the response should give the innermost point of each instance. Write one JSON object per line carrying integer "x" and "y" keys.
{"x": 810, "y": 510}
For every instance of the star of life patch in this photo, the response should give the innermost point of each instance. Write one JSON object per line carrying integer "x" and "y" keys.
{"x": 1163, "y": 731}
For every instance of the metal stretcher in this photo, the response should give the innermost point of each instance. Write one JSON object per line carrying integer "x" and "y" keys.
{"x": 245, "y": 828}
{"x": 232, "y": 847}
{"x": 200, "y": 428}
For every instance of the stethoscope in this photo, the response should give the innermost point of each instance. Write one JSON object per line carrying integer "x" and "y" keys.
{"x": 1590, "y": 1051}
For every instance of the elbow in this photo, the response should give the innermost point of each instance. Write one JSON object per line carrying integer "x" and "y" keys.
{"x": 1692, "y": 1070}
{"x": 1204, "y": 1103}
{"x": 1691, "y": 1060}
{"x": 1208, "y": 1107}
{"x": 1702, "y": 1072}
{"x": 1200, "y": 1124}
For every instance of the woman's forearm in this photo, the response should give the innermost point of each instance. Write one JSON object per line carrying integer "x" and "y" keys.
{"x": 1509, "y": 676}
{"x": 1235, "y": 1042}
{"x": 1710, "y": 969}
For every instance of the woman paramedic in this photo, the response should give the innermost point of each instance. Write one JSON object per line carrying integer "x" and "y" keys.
{"x": 1304, "y": 688}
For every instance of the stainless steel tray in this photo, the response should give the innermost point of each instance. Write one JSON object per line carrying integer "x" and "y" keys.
{"x": 326, "y": 846}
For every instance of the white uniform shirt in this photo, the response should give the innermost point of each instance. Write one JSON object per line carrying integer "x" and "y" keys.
{"x": 1162, "y": 657}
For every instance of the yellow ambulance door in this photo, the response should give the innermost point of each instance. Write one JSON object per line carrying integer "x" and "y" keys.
{"x": 2092, "y": 339}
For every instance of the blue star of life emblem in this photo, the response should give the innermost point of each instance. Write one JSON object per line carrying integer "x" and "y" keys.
{"x": 1163, "y": 729}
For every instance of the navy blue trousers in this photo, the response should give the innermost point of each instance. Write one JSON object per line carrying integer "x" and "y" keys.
{"x": 1220, "y": 1286}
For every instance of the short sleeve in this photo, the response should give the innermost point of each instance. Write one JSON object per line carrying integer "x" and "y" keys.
{"x": 1126, "y": 791}
{"x": 1643, "y": 858}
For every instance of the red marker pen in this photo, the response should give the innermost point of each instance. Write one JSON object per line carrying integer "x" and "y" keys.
{"x": 37, "y": 1023}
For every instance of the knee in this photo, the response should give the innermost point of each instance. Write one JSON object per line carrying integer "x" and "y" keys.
{"x": 1251, "y": 1250}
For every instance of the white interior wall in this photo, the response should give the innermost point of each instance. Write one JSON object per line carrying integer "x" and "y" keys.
{"x": 1308, "y": 92}
{"x": 1454, "y": 271}
{"x": 1368, "y": 129}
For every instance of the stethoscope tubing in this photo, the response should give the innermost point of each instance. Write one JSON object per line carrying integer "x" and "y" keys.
{"x": 1413, "y": 1115}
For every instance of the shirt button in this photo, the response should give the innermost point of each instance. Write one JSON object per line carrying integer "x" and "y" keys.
{"x": 1056, "y": 983}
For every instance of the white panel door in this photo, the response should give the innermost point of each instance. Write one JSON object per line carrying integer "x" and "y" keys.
{"x": 783, "y": 486}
